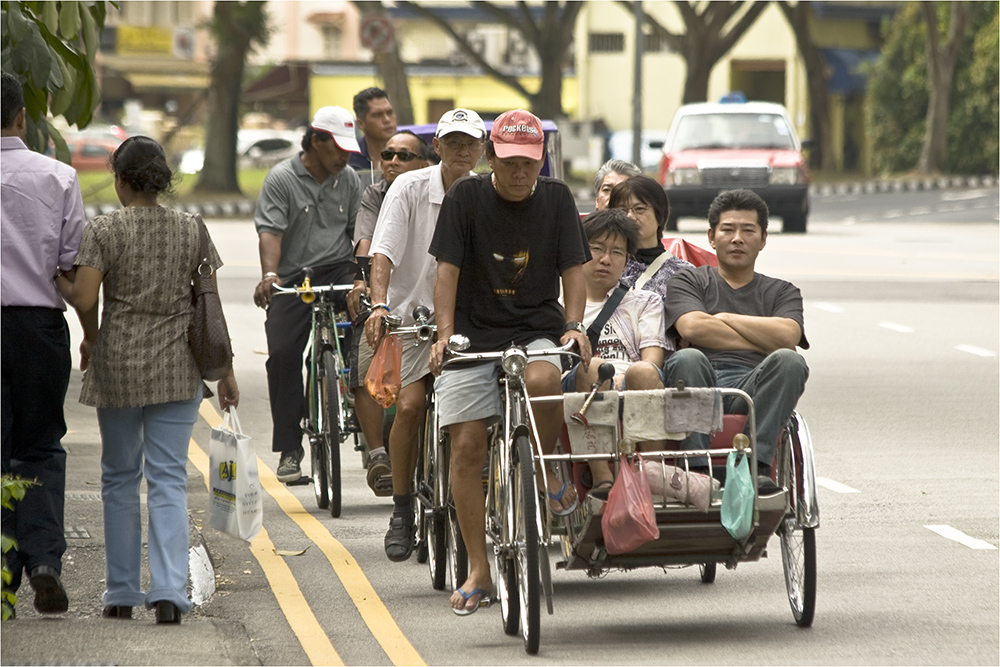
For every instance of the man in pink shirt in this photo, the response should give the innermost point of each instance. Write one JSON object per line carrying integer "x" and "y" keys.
{"x": 42, "y": 222}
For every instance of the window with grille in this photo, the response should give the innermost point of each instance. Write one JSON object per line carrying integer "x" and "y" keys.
{"x": 606, "y": 42}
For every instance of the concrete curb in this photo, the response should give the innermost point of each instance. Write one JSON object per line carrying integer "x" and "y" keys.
{"x": 239, "y": 208}
{"x": 901, "y": 185}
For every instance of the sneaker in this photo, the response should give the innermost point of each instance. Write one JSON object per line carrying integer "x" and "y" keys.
{"x": 399, "y": 538}
{"x": 288, "y": 467}
{"x": 380, "y": 473}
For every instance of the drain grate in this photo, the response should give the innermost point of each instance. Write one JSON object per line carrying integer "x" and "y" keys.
{"x": 76, "y": 533}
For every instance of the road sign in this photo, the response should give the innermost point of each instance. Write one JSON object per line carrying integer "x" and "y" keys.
{"x": 376, "y": 33}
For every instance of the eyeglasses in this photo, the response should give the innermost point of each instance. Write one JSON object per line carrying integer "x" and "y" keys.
{"x": 636, "y": 210}
{"x": 599, "y": 250}
{"x": 456, "y": 145}
{"x": 404, "y": 156}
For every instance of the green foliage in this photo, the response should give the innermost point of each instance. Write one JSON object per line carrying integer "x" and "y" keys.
{"x": 13, "y": 489}
{"x": 50, "y": 46}
{"x": 898, "y": 94}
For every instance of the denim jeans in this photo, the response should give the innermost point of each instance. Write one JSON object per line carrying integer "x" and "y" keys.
{"x": 151, "y": 440}
{"x": 775, "y": 386}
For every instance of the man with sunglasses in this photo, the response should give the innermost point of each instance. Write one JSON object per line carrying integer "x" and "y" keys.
{"x": 403, "y": 152}
{"x": 403, "y": 274}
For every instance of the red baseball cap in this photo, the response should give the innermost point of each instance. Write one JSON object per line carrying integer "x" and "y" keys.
{"x": 518, "y": 133}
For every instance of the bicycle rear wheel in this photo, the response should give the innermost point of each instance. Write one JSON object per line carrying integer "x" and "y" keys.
{"x": 332, "y": 402}
{"x": 526, "y": 544}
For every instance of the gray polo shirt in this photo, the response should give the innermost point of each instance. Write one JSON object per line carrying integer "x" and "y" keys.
{"x": 314, "y": 220}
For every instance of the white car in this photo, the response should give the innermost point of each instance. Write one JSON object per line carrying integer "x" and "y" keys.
{"x": 254, "y": 149}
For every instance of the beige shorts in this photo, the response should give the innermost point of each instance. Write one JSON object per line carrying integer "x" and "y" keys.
{"x": 415, "y": 359}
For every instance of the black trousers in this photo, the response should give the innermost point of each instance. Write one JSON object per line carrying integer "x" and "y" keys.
{"x": 35, "y": 359}
{"x": 288, "y": 328}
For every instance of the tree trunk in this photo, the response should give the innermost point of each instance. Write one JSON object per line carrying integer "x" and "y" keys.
{"x": 391, "y": 69}
{"x": 547, "y": 102}
{"x": 940, "y": 70}
{"x": 699, "y": 68}
{"x": 818, "y": 81}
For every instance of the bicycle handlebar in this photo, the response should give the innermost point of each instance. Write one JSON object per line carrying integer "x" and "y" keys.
{"x": 453, "y": 355}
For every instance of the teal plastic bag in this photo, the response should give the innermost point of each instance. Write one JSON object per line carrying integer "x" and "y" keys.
{"x": 737, "y": 497}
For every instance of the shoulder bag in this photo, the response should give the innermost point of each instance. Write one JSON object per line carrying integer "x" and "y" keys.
{"x": 208, "y": 335}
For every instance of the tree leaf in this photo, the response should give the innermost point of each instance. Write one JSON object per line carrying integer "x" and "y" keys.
{"x": 286, "y": 552}
{"x": 62, "y": 150}
{"x": 63, "y": 95}
{"x": 50, "y": 15}
{"x": 69, "y": 19}
{"x": 41, "y": 58}
{"x": 17, "y": 23}
{"x": 89, "y": 32}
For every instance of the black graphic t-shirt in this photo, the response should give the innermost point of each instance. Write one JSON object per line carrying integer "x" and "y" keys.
{"x": 510, "y": 256}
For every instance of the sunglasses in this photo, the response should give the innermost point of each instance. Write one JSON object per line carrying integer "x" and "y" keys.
{"x": 404, "y": 156}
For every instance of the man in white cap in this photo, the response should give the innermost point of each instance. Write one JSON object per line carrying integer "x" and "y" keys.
{"x": 503, "y": 243}
{"x": 403, "y": 275}
{"x": 305, "y": 218}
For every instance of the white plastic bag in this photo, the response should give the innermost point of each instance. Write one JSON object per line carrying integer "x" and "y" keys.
{"x": 237, "y": 506}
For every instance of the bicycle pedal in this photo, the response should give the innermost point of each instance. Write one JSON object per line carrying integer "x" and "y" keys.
{"x": 301, "y": 481}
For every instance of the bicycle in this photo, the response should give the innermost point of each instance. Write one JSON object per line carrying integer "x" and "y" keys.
{"x": 327, "y": 422}
{"x": 515, "y": 523}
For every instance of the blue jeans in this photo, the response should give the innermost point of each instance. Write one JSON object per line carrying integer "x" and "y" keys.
{"x": 153, "y": 440}
{"x": 775, "y": 386}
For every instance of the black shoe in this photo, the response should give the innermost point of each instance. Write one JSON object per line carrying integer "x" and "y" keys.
{"x": 167, "y": 612}
{"x": 399, "y": 539}
{"x": 117, "y": 611}
{"x": 50, "y": 596}
{"x": 288, "y": 466}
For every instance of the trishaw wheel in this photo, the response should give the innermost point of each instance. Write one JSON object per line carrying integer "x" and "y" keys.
{"x": 458, "y": 557}
{"x": 321, "y": 488}
{"x": 333, "y": 402}
{"x": 420, "y": 539}
{"x": 526, "y": 544}
{"x": 798, "y": 556}
{"x": 437, "y": 550}
{"x": 708, "y": 572}
{"x": 510, "y": 606}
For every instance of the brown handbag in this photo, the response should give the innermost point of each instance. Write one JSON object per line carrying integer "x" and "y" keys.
{"x": 208, "y": 335}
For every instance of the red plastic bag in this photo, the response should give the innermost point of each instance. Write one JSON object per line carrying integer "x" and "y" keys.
{"x": 384, "y": 379}
{"x": 629, "y": 520}
{"x": 689, "y": 252}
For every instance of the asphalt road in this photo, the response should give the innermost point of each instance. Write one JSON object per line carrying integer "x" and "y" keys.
{"x": 901, "y": 297}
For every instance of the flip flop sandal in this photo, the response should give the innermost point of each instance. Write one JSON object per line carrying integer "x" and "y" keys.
{"x": 485, "y": 600}
{"x": 602, "y": 489}
{"x": 558, "y": 498}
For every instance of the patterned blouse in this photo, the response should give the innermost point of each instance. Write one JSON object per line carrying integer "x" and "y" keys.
{"x": 147, "y": 256}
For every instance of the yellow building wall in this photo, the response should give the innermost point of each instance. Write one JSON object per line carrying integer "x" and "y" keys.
{"x": 481, "y": 93}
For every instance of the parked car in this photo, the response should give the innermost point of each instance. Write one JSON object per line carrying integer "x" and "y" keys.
{"x": 88, "y": 152}
{"x": 712, "y": 147}
{"x": 620, "y": 147}
{"x": 254, "y": 149}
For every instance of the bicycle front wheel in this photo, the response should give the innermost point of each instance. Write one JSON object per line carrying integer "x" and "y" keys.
{"x": 332, "y": 401}
{"x": 526, "y": 543}
{"x": 317, "y": 447}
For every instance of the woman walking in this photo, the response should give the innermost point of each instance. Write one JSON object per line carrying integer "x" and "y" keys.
{"x": 142, "y": 377}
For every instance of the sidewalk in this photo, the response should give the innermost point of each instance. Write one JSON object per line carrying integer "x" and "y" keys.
{"x": 81, "y": 636}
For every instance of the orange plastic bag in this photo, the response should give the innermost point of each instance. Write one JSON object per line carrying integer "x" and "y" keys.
{"x": 384, "y": 380}
{"x": 629, "y": 520}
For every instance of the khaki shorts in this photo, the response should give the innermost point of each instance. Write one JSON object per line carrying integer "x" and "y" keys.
{"x": 415, "y": 359}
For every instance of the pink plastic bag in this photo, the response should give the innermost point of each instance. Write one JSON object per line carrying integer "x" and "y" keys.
{"x": 384, "y": 378}
{"x": 629, "y": 520}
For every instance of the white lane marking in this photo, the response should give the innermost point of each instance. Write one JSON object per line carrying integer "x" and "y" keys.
{"x": 892, "y": 326}
{"x": 958, "y": 195}
{"x": 954, "y": 534}
{"x": 978, "y": 351}
{"x": 894, "y": 213}
{"x": 829, "y": 307}
{"x": 920, "y": 210}
{"x": 835, "y": 486}
{"x": 951, "y": 208}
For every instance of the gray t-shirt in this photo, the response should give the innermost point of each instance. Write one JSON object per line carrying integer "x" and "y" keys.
{"x": 371, "y": 204}
{"x": 703, "y": 289}
{"x": 314, "y": 220}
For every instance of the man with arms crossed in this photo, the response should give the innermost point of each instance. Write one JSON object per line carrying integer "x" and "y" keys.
{"x": 305, "y": 217}
{"x": 503, "y": 241}
{"x": 402, "y": 235}
{"x": 742, "y": 326}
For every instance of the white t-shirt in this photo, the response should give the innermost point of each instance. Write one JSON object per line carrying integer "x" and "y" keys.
{"x": 403, "y": 233}
{"x": 637, "y": 323}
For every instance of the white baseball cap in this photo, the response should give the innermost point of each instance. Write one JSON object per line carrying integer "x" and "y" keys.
{"x": 461, "y": 120}
{"x": 338, "y": 122}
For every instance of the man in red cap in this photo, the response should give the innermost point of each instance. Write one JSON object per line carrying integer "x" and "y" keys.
{"x": 503, "y": 242}
{"x": 305, "y": 217}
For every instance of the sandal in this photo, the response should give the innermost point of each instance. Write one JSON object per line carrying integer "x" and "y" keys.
{"x": 380, "y": 474}
{"x": 485, "y": 601}
{"x": 557, "y": 498}
{"x": 601, "y": 490}
{"x": 399, "y": 539}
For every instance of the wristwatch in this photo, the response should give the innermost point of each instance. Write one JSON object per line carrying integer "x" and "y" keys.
{"x": 575, "y": 326}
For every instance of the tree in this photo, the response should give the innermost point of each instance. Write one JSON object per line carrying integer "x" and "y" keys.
{"x": 50, "y": 47}
{"x": 899, "y": 95}
{"x": 238, "y": 27}
{"x": 817, "y": 77}
{"x": 711, "y": 30}
{"x": 550, "y": 37}
{"x": 941, "y": 60}
{"x": 391, "y": 69}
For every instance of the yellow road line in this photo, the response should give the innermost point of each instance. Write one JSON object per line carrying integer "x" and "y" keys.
{"x": 374, "y": 612}
{"x": 297, "y": 611}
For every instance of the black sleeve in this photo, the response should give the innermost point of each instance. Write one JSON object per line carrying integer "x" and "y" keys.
{"x": 573, "y": 246}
